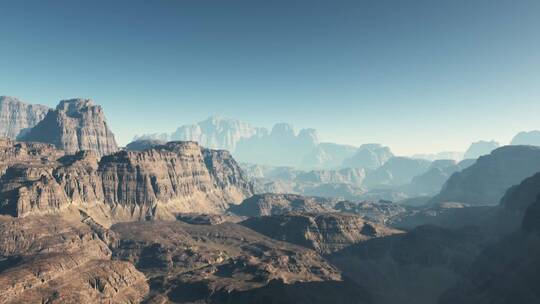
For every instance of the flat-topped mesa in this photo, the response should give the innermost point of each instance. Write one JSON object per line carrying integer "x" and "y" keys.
{"x": 75, "y": 125}
{"x": 155, "y": 183}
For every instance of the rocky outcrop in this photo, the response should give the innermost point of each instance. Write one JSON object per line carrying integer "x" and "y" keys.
{"x": 155, "y": 183}
{"x": 369, "y": 156}
{"x": 323, "y": 232}
{"x": 430, "y": 182}
{"x": 17, "y": 117}
{"x": 486, "y": 181}
{"x": 381, "y": 211}
{"x": 531, "y": 138}
{"x": 479, "y": 148}
{"x": 275, "y": 204}
{"x": 75, "y": 125}
{"x": 54, "y": 259}
{"x": 227, "y": 263}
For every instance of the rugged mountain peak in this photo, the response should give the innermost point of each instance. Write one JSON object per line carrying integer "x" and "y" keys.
{"x": 75, "y": 125}
{"x": 16, "y": 117}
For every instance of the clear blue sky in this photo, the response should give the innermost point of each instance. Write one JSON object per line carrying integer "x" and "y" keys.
{"x": 419, "y": 76}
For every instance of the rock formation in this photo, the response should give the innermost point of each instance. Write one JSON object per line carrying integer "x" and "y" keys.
{"x": 396, "y": 171}
{"x": 369, "y": 156}
{"x": 453, "y": 155}
{"x": 479, "y": 148}
{"x": 328, "y": 156}
{"x": 274, "y": 204}
{"x": 75, "y": 125}
{"x": 486, "y": 181}
{"x": 323, "y": 232}
{"x": 155, "y": 183}
{"x": 227, "y": 263}
{"x": 430, "y": 182}
{"x": 531, "y": 138}
{"x": 17, "y": 117}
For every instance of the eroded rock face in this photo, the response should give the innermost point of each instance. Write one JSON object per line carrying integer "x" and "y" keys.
{"x": 16, "y": 117}
{"x": 323, "y": 232}
{"x": 53, "y": 259}
{"x": 156, "y": 183}
{"x": 75, "y": 125}
{"x": 226, "y": 263}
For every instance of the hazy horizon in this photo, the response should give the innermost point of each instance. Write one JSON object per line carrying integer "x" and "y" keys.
{"x": 419, "y": 77}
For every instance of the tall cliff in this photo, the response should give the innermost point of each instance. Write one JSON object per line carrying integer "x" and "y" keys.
{"x": 17, "y": 116}
{"x": 75, "y": 125}
{"x": 155, "y": 183}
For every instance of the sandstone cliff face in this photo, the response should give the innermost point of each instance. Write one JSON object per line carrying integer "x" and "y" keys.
{"x": 156, "y": 183}
{"x": 17, "y": 117}
{"x": 75, "y": 125}
{"x": 323, "y": 232}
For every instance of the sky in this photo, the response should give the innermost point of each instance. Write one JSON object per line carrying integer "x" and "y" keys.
{"x": 419, "y": 76}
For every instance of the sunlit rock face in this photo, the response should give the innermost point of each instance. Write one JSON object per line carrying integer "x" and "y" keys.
{"x": 75, "y": 125}
{"x": 155, "y": 183}
{"x": 17, "y": 117}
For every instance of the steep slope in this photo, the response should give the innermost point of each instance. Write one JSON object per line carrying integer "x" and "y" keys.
{"x": 75, "y": 125}
{"x": 486, "y": 181}
{"x": 16, "y": 117}
{"x": 323, "y": 232}
{"x": 479, "y": 148}
{"x": 328, "y": 156}
{"x": 155, "y": 183}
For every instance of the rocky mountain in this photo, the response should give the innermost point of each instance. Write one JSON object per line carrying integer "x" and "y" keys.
{"x": 486, "y": 181}
{"x": 268, "y": 149}
{"x": 328, "y": 156}
{"x": 217, "y": 133}
{"x": 16, "y": 117}
{"x": 155, "y": 183}
{"x": 369, "y": 156}
{"x": 323, "y": 232}
{"x": 531, "y": 138}
{"x": 453, "y": 155}
{"x": 396, "y": 171}
{"x": 430, "y": 182}
{"x": 75, "y": 125}
{"x": 479, "y": 148}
